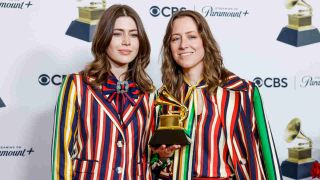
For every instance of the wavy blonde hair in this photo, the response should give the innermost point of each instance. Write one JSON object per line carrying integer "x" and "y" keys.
{"x": 99, "y": 70}
{"x": 214, "y": 72}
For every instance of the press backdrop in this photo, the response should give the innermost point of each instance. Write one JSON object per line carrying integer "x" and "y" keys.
{"x": 35, "y": 54}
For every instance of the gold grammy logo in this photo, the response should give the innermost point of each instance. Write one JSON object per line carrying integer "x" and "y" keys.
{"x": 84, "y": 27}
{"x": 299, "y": 31}
{"x": 299, "y": 162}
{"x": 301, "y": 153}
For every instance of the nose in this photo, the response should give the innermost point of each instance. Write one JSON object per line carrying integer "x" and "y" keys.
{"x": 126, "y": 40}
{"x": 183, "y": 43}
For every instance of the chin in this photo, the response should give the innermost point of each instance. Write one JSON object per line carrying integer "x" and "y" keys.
{"x": 186, "y": 67}
{"x": 126, "y": 60}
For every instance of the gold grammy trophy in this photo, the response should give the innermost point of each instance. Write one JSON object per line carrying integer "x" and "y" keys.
{"x": 84, "y": 27}
{"x": 299, "y": 31}
{"x": 299, "y": 162}
{"x": 170, "y": 130}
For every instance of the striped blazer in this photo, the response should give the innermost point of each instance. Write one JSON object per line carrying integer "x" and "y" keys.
{"x": 91, "y": 141}
{"x": 247, "y": 131}
{"x": 251, "y": 150}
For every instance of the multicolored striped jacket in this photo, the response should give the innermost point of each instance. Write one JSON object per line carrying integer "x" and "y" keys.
{"x": 91, "y": 141}
{"x": 250, "y": 151}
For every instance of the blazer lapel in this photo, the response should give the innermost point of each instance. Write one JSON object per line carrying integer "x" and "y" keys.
{"x": 109, "y": 109}
{"x": 228, "y": 108}
{"x": 131, "y": 110}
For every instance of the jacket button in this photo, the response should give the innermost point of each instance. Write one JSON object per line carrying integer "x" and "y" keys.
{"x": 243, "y": 161}
{"x": 119, "y": 144}
{"x": 119, "y": 170}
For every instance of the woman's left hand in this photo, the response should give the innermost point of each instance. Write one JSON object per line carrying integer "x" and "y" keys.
{"x": 164, "y": 151}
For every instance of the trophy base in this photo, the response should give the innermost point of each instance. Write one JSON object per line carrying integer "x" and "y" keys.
{"x": 169, "y": 137}
{"x": 81, "y": 30}
{"x": 296, "y": 170}
{"x": 299, "y": 38}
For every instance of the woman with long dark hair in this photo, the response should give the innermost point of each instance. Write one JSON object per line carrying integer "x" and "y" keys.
{"x": 102, "y": 118}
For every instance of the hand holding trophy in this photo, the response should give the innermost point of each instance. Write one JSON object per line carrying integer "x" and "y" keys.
{"x": 170, "y": 130}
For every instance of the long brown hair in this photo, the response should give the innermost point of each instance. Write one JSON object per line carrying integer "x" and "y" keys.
{"x": 214, "y": 71}
{"x": 99, "y": 70}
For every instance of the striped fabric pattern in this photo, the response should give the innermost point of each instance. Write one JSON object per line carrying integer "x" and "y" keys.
{"x": 266, "y": 139}
{"x": 90, "y": 140}
{"x": 237, "y": 104}
{"x": 233, "y": 136}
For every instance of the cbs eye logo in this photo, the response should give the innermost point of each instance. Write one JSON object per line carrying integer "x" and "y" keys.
{"x": 164, "y": 11}
{"x": 45, "y": 79}
{"x": 155, "y": 11}
{"x": 270, "y": 82}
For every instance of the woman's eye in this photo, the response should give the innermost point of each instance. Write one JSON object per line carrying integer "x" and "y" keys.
{"x": 116, "y": 34}
{"x": 174, "y": 39}
{"x": 134, "y": 35}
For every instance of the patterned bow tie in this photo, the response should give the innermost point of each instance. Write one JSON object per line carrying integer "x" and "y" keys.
{"x": 192, "y": 88}
{"x": 120, "y": 92}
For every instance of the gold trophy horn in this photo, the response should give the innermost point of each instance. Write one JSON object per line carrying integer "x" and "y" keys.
{"x": 291, "y": 3}
{"x": 170, "y": 129}
{"x": 293, "y": 131}
{"x": 174, "y": 119}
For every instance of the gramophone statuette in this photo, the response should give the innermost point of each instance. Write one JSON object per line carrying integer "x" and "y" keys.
{"x": 299, "y": 31}
{"x": 84, "y": 27}
{"x": 299, "y": 160}
{"x": 170, "y": 130}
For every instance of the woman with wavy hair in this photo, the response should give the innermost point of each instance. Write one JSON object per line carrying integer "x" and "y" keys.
{"x": 102, "y": 117}
{"x": 229, "y": 135}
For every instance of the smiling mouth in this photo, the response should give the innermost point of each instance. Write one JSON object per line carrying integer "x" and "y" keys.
{"x": 185, "y": 54}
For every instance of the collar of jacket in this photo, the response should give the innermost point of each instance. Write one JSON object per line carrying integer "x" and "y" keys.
{"x": 235, "y": 83}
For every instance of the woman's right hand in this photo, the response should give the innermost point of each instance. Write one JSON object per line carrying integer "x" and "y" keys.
{"x": 164, "y": 151}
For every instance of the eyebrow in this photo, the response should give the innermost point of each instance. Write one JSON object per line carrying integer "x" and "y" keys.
{"x": 184, "y": 33}
{"x": 131, "y": 30}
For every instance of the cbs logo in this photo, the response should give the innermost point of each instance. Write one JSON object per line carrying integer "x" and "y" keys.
{"x": 45, "y": 79}
{"x": 164, "y": 11}
{"x": 271, "y": 82}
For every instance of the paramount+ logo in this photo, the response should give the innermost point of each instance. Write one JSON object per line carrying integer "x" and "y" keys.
{"x": 15, "y": 151}
{"x": 271, "y": 82}
{"x": 165, "y": 11}
{"x": 45, "y": 79}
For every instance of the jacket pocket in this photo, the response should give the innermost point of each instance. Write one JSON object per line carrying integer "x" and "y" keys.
{"x": 85, "y": 165}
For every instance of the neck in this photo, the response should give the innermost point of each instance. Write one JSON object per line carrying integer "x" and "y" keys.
{"x": 194, "y": 75}
{"x": 119, "y": 70}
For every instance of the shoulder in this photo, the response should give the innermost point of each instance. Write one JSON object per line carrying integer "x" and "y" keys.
{"x": 235, "y": 83}
{"x": 149, "y": 96}
{"x": 76, "y": 80}
{"x": 71, "y": 77}
{"x": 80, "y": 79}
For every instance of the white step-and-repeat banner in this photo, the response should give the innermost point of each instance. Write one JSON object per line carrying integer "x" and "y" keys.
{"x": 36, "y": 53}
